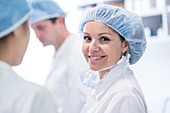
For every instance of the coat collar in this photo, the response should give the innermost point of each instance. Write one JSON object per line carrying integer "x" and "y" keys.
{"x": 111, "y": 77}
{"x": 4, "y": 65}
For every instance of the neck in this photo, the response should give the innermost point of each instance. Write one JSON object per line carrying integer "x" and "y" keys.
{"x": 102, "y": 74}
{"x": 61, "y": 39}
{"x": 7, "y": 49}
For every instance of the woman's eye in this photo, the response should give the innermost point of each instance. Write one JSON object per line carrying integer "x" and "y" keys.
{"x": 87, "y": 39}
{"x": 104, "y": 39}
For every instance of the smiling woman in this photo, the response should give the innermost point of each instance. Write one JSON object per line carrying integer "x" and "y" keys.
{"x": 113, "y": 39}
{"x": 104, "y": 47}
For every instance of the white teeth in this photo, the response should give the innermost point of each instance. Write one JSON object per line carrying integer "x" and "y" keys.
{"x": 95, "y": 58}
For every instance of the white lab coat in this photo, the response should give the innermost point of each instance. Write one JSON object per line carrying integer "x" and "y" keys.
{"x": 20, "y": 96}
{"x": 118, "y": 92}
{"x": 64, "y": 78}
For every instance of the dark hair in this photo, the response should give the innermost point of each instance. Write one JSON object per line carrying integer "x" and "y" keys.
{"x": 122, "y": 38}
{"x": 53, "y": 20}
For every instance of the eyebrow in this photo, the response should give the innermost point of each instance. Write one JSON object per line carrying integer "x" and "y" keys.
{"x": 86, "y": 33}
{"x": 104, "y": 33}
{"x": 99, "y": 33}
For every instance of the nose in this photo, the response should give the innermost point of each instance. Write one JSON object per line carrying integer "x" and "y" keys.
{"x": 94, "y": 46}
{"x": 38, "y": 34}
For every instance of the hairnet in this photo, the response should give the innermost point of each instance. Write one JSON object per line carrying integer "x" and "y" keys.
{"x": 45, "y": 9}
{"x": 125, "y": 23}
{"x": 12, "y": 14}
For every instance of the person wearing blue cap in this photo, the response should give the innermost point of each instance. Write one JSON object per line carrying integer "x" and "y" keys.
{"x": 120, "y": 3}
{"x": 16, "y": 94}
{"x": 113, "y": 39}
{"x": 63, "y": 81}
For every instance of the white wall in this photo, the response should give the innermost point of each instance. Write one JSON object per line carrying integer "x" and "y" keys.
{"x": 153, "y": 73}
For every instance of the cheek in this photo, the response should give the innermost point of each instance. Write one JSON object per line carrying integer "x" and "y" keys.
{"x": 85, "y": 50}
{"x": 46, "y": 33}
{"x": 114, "y": 54}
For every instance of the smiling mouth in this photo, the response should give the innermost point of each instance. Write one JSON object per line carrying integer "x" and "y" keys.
{"x": 95, "y": 58}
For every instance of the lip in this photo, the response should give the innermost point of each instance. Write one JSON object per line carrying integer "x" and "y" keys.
{"x": 95, "y": 58}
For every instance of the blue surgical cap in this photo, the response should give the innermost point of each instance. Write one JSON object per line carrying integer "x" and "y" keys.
{"x": 125, "y": 23}
{"x": 45, "y": 9}
{"x": 12, "y": 14}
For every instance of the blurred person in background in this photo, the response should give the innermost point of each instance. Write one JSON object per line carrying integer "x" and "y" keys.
{"x": 113, "y": 39}
{"x": 16, "y": 94}
{"x": 119, "y": 3}
{"x": 63, "y": 81}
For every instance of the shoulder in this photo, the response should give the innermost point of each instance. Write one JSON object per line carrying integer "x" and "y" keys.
{"x": 37, "y": 98}
{"x": 124, "y": 86}
{"x": 33, "y": 88}
{"x": 27, "y": 96}
{"x": 125, "y": 93}
{"x": 130, "y": 99}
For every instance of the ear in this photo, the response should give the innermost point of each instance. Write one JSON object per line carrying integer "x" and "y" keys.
{"x": 125, "y": 46}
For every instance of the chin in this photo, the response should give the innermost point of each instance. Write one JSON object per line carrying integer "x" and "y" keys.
{"x": 94, "y": 68}
{"x": 18, "y": 60}
{"x": 44, "y": 45}
{"x": 16, "y": 63}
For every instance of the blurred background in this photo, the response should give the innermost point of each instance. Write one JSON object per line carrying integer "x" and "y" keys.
{"x": 152, "y": 70}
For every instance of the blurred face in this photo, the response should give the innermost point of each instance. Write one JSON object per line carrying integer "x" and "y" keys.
{"x": 46, "y": 31}
{"x": 102, "y": 46}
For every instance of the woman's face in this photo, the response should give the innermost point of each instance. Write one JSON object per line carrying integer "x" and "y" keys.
{"x": 102, "y": 46}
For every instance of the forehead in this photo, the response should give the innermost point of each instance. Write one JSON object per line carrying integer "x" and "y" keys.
{"x": 92, "y": 27}
{"x": 41, "y": 23}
